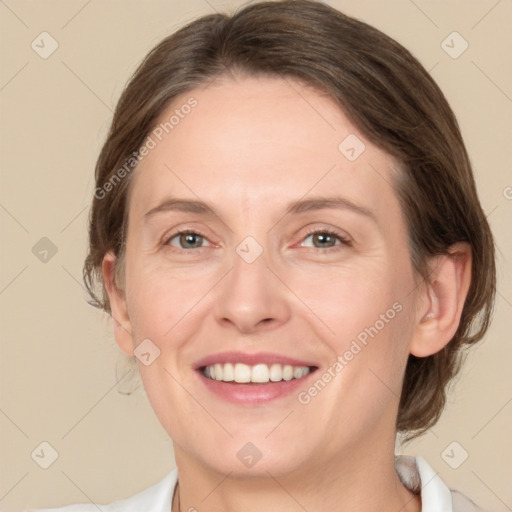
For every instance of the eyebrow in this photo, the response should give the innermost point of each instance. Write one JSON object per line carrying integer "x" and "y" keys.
{"x": 295, "y": 207}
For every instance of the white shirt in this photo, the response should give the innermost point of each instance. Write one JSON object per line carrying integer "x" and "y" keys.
{"x": 414, "y": 472}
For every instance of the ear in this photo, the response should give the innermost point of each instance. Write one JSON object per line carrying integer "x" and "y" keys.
{"x": 441, "y": 300}
{"x": 120, "y": 317}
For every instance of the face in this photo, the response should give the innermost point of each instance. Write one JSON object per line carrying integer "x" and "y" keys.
{"x": 268, "y": 267}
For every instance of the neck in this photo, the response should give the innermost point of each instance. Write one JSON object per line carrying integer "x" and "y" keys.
{"x": 356, "y": 483}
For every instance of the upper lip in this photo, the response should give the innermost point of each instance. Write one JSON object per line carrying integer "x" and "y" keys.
{"x": 267, "y": 358}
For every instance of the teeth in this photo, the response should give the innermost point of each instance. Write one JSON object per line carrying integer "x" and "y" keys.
{"x": 242, "y": 373}
{"x": 287, "y": 372}
{"x": 276, "y": 373}
{"x": 228, "y": 373}
{"x": 260, "y": 373}
{"x": 297, "y": 372}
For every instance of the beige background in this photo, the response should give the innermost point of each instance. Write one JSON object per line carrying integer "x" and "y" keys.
{"x": 58, "y": 358}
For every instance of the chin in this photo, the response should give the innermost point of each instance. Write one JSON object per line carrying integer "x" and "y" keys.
{"x": 249, "y": 456}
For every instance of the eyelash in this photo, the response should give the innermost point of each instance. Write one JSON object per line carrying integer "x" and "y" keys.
{"x": 343, "y": 241}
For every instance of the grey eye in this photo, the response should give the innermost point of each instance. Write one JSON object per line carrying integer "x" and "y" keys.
{"x": 187, "y": 240}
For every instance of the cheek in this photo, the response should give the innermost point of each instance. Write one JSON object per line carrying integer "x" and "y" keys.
{"x": 370, "y": 315}
{"x": 351, "y": 300}
{"x": 160, "y": 301}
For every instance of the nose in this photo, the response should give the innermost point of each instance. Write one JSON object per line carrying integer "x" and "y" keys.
{"x": 252, "y": 297}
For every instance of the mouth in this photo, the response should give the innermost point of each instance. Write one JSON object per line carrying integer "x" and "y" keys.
{"x": 253, "y": 379}
{"x": 240, "y": 373}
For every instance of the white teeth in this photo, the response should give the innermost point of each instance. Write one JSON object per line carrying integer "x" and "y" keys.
{"x": 259, "y": 373}
{"x": 228, "y": 373}
{"x": 287, "y": 372}
{"x": 242, "y": 373}
{"x": 276, "y": 373}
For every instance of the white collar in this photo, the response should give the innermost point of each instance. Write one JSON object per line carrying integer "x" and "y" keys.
{"x": 417, "y": 475}
{"x": 414, "y": 472}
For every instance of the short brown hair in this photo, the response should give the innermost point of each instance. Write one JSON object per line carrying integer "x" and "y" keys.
{"x": 387, "y": 95}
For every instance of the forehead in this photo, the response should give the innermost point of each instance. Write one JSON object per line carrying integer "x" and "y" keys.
{"x": 254, "y": 143}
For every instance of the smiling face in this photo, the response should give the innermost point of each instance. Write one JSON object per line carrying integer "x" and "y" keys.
{"x": 295, "y": 273}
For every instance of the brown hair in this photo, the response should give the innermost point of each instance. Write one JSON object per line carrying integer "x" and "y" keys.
{"x": 387, "y": 95}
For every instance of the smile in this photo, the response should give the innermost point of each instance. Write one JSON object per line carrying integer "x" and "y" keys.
{"x": 257, "y": 374}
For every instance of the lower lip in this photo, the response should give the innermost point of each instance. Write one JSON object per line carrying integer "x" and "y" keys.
{"x": 254, "y": 394}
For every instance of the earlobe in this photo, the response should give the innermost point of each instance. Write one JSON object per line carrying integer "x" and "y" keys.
{"x": 120, "y": 317}
{"x": 442, "y": 301}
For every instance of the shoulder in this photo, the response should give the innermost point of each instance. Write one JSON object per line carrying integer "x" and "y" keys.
{"x": 156, "y": 498}
{"x": 419, "y": 477}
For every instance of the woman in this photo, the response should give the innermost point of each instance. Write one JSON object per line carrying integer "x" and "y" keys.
{"x": 289, "y": 240}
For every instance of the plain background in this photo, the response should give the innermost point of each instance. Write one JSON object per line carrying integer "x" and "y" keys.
{"x": 59, "y": 362}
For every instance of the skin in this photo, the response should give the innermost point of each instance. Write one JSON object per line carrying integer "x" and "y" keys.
{"x": 249, "y": 147}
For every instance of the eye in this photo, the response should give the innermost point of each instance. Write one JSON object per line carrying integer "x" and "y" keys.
{"x": 327, "y": 239}
{"x": 189, "y": 239}
{"x": 186, "y": 239}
